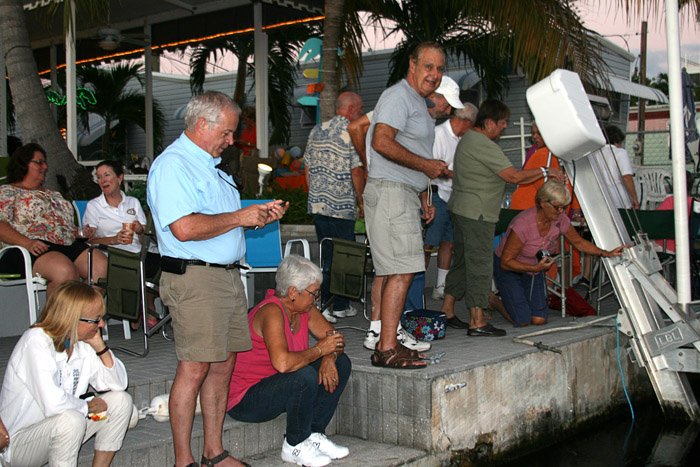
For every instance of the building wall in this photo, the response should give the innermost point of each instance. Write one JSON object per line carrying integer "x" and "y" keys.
{"x": 173, "y": 92}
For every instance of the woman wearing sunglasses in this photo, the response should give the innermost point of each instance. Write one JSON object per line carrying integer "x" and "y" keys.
{"x": 49, "y": 370}
{"x": 522, "y": 258}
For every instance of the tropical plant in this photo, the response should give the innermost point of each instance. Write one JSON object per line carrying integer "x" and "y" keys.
{"x": 342, "y": 30}
{"x": 241, "y": 45}
{"x": 284, "y": 45}
{"x": 495, "y": 36}
{"x": 115, "y": 103}
{"x": 32, "y": 112}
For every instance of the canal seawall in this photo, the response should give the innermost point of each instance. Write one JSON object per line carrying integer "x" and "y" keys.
{"x": 493, "y": 397}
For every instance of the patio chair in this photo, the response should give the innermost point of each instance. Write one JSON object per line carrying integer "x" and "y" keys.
{"x": 348, "y": 271}
{"x": 36, "y": 284}
{"x": 264, "y": 248}
{"x": 79, "y": 206}
{"x": 33, "y": 286}
{"x": 653, "y": 182}
{"x": 126, "y": 287}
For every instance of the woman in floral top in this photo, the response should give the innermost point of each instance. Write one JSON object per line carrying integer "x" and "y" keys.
{"x": 41, "y": 221}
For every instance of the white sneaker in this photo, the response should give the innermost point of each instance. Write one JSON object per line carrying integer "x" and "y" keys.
{"x": 371, "y": 339}
{"x": 411, "y": 342}
{"x": 350, "y": 311}
{"x": 305, "y": 453}
{"x": 328, "y": 447}
{"x": 438, "y": 292}
{"x": 329, "y": 317}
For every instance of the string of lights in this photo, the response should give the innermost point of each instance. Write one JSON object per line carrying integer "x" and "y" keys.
{"x": 188, "y": 41}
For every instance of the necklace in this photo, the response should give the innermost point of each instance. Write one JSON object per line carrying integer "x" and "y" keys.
{"x": 291, "y": 324}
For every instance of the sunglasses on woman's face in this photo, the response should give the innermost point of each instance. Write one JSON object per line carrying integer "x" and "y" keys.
{"x": 91, "y": 321}
{"x": 558, "y": 207}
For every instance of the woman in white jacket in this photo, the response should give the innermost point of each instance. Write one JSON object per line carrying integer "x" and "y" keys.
{"x": 50, "y": 368}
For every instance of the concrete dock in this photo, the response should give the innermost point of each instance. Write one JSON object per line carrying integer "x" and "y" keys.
{"x": 484, "y": 399}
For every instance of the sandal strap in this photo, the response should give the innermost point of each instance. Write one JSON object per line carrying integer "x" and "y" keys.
{"x": 214, "y": 460}
{"x": 397, "y": 357}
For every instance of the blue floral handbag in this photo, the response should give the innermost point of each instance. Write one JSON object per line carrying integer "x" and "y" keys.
{"x": 425, "y": 325}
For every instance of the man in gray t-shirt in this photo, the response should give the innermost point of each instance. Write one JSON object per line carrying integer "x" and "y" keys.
{"x": 401, "y": 142}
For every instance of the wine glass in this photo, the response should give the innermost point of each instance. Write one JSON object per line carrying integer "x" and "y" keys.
{"x": 82, "y": 233}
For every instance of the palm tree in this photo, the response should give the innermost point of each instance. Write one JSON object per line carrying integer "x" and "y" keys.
{"x": 284, "y": 45}
{"x": 496, "y": 36}
{"x": 115, "y": 103}
{"x": 32, "y": 112}
{"x": 242, "y": 46}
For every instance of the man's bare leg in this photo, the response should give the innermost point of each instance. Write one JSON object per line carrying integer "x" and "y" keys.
{"x": 183, "y": 398}
{"x": 448, "y": 305}
{"x": 377, "y": 288}
{"x": 393, "y": 299}
{"x": 214, "y": 396}
{"x": 444, "y": 257}
{"x": 477, "y": 317}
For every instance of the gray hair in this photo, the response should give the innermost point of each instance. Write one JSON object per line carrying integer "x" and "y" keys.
{"x": 553, "y": 191}
{"x": 209, "y": 106}
{"x": 469, "y": 112}
{"x": 296, "y": 271}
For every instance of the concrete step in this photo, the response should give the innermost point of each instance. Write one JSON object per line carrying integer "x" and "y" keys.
{"x": 150, "y": 445}
{"x": 362, "y": 452}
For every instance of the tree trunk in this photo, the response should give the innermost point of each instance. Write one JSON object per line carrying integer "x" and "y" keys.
{"x": 238, "y": 93}
{"x": 329, "y": 57}
{"x": 33, "y": 115}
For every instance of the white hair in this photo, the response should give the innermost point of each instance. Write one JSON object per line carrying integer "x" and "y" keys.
{"x": 209, "y": 106}
{"x": 296, "y": 271}
{"x": 469, "y": 112}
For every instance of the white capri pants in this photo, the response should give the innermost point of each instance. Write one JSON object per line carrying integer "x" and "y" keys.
{"x": 56, "y": 440}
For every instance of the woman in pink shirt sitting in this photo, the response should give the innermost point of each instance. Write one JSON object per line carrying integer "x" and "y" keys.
{"x": 283, "y": 374}
{"x": 519, "y": 269}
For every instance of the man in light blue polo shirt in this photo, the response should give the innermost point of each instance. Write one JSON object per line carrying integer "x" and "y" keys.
{"x": 199, "y": 223}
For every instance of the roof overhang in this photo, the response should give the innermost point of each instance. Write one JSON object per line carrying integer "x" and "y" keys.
{"x": 624, "y": 86}
{"x": 173, "y": 23}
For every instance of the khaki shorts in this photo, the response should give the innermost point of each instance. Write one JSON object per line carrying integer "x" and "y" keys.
{"x": 392, "y": 217}
{"x": 209, "y": 311}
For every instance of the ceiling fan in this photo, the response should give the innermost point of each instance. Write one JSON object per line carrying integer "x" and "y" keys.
{"x": 109, "y": 38}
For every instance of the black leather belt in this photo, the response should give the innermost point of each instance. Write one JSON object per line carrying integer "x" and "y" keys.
{"x": 434, "y": 188}
{"x": 197, "y": 262}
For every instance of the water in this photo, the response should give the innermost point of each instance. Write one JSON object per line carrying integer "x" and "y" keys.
{"x": 650, "y": 441}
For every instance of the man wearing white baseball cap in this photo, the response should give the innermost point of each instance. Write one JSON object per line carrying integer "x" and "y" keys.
{"x": 450, "y": 91}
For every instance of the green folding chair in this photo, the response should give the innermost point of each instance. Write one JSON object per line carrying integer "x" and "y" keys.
{"x": 126, "y": 287}
{"x": 348, "y": 272}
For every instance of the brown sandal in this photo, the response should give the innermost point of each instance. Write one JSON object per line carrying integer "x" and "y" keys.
{"x": 398, "y": 357}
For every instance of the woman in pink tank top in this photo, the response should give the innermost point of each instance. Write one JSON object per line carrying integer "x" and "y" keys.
{"x": 281, "y": 373}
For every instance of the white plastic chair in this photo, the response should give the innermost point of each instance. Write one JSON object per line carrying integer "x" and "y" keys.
{"x": 653, "y": 182}
{"x": 33, "y": 284}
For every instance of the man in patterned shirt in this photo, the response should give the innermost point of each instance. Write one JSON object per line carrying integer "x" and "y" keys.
{"x": 336, "y": 180}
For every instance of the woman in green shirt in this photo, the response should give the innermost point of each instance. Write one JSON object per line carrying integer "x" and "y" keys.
{"x": 481, "y": 171}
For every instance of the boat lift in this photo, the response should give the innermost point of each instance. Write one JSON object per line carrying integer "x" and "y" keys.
{"x": 664, "y": 332}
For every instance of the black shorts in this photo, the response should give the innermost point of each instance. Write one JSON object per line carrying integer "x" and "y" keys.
{"x": 13, "y": 263}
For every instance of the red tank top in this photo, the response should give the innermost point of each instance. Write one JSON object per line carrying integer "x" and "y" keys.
{"x": 255, "y": 364}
